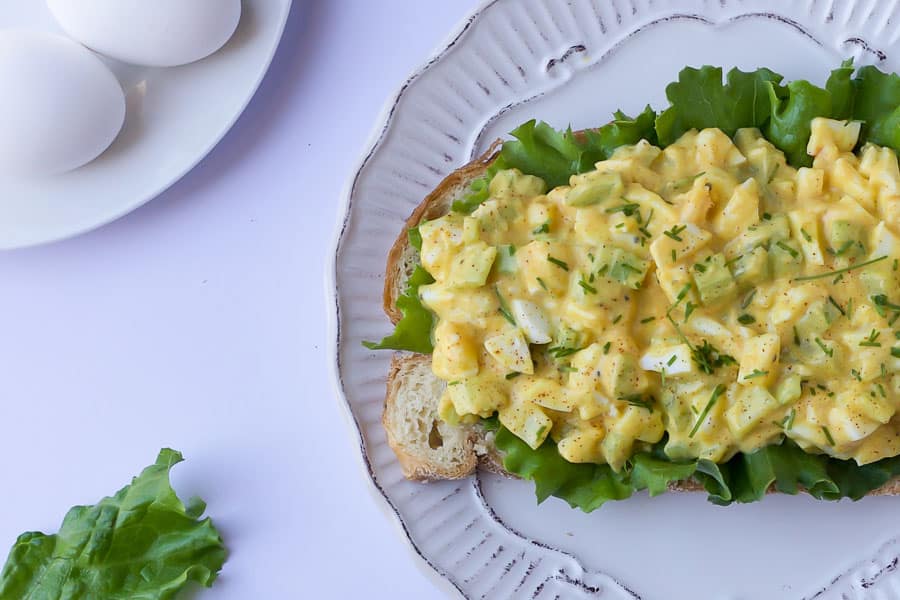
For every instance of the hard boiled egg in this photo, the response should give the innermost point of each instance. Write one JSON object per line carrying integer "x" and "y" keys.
{"x": 155, "y": 33}
{"x": 61, "y": 107}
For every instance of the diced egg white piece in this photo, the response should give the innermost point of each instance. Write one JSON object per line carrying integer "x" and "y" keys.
{"x": 674, "y": 360}
{"x": 758, "y": 359}
{"x": 845, "y": 428}
{"x": 884, "y": 242}
{"x": 511, "y": 350}
{"x": 532, "y": 320}
{"x": 826, "y": 132}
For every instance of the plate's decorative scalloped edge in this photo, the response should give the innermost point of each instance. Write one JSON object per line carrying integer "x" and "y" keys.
{"x": 861, "y": 579}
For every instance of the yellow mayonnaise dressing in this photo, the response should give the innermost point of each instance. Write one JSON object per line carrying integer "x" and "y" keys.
{"x": 708, "y": 291}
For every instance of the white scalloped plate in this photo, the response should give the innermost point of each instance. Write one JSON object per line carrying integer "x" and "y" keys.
{"x": 574, "y": 62}
{"x": 174, "y": 118}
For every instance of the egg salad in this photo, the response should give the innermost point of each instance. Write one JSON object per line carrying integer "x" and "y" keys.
{"x": 708, "y": 292}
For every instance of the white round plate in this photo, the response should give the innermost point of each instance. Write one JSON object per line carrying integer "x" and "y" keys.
{"x": 574, "y": 62}
{"x": 175, "y": 117}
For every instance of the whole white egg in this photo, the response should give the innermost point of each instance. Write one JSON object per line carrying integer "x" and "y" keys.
{"x": 61, "y": 107}
{"x": 154, "y": 33}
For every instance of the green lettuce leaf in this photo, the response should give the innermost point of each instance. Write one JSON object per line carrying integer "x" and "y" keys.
{"x": 654, "y": 472}
{"x": 789, "y": 125}
{"x": 413, "y": 331}
{"x": 744, "y": 478}
{"x": 699, "y": 99}
{"x": 843, "y": 93}
{"x": 877, "y": 104}
{"x": 555, "y": 156}
{"x": 141, "y": 543}
{"x": 584, "y": 486}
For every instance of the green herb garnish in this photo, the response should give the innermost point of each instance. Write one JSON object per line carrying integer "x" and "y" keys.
{"x": 720, "y": 389}
{"x": 559, "y": 263}
{"x": 844, "y": 270}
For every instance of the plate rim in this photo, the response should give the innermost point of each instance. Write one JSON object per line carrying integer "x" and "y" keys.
{"x": 383, "y": 125}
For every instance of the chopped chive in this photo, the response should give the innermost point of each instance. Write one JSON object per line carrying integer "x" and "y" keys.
{"x": 720, "y": 389}
{"x": 671, "y": 360}
{"x": 796, "y": 336}
{"x": 628, "y": 209}
{"x": 617, "y": 319}
{"x": 772, "y": 175}
{"x": 606, "y": 347}
{"x": 788, "y": 249}
{"x": 805, "y": 235}
{"x": 559, "y": 263}
{"x": 567, "y": 368}
{"x": 587, "y": 287}
{"x": 542, "y": 284}
{"x": 562, "y": 351}
{"x": 838, "y": 279}
{"x": 512, "y": 375}
{"x": 674, "y": 256}
{"x": 844, "y": 247}
{"x": 882, "y": 300}
{"x": 893, "y": 319}
{"x": 688, "y": 310}
{"x": 895, "y": 351}
{"x": 837, "y": 306}
{"x": 755, "y": 373}
{"x": 870, "y": 341}
{"x": 850, "y": 308}
{"x": 602, "y": 270}
{"x": 681, "y": 183}
{"x": 674, "y": 232}
{"x": 454, "y": 382}
{"x": 647, "y": 320}
{"x": 881, "y": 390}
{"x": 682, "y": 293}
{"x": 504, "y": 308}
{"x": 639, "y": 401}
{"x": 825, "y": 349}
{"x": 700, "y": 268}
{"x": 856, "y": 374}
{"x": 790, "y": 420}
{"x": 896, "y": 264}
{"x": 844, "y": 270}
{"x": 544, "y": 228}
{"x": 748, "y": 299}
{"x": 746, "y": 319}
{"x": 767, "y": 216}
{"x": 728, "y": 263}
{"x": 828, "y": 436}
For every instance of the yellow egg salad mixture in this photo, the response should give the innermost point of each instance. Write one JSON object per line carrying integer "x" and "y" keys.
{"x": 708, "y": 291}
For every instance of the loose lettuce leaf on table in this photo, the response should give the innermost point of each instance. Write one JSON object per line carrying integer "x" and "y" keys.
{"x": 141, "y": 543}
{"x": 413, "y": 331}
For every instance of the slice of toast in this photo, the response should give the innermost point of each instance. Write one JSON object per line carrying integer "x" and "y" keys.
{"x": 427, "y": 448}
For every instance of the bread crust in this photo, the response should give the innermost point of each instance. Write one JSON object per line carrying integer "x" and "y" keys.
{"x": 435, "y": 204}
{"x": 479, "y": 449}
